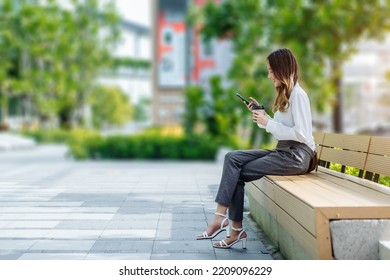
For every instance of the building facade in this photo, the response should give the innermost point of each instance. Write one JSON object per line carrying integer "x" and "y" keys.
{"x": 135, "y": 45}
{"x": 181, "y": 58}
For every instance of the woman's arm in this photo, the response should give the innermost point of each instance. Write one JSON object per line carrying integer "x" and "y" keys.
{"x": 301, "y": 118}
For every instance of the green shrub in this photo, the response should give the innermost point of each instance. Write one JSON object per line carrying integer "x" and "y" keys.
{"x": 384, "y": 180}
{"x": 48, "y": 135}
{"x": 149, "y": 145}
{"x": 85, "y": 144}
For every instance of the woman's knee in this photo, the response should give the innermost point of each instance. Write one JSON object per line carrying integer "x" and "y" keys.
{"x": 230, "y": 155}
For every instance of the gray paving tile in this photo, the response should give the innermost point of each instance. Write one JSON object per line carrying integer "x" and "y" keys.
{"x": 169, "y": 224}
{"x": 118, "y": 256}
{"x": 23, "y": 233}
{"x": 111, "y": 209}
{"x": 121, "y": 246}
{"x": 31, "y": 224}
{"x": 176, "y": 216}
{"x": 64, "y": 245}
{"x": 177, "y": 234}
{"x": 4, "y": 224}
{"x": 53, "y": 256}
{"x": 75, "y": 234}
{"x": 15, "y": 244}
{"x": 10, "y": 256}
{"x": 82, "y": 225}
{"x": 173, "y": 246}
{"x": 138, "y": 234}
{"x": 134, "y": 225}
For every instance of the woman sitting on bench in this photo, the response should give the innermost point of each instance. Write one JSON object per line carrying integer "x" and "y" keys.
{"x": 291, "y": 126}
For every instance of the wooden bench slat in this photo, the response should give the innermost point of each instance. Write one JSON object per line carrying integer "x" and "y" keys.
{"x": 318, "y": 137}
{"x": 261, "y": 198}
{"x": 300, "y": 234}
{"x": 380, "y": 145}
{"x": 302, "y": 213}
{"x": 304, "y": 192}
{"x": 296, "y": 230}
{"x": 378, "y": 164}
{"x": 350, "y": 142}
{"x": 362, "y": 212}
{"x": 347, "y": 192}
{"x": 326, "y": 190}
{"x": 267, "y": 187}
{"x": 348, "y": 158}
{"x": 365, "y": 192}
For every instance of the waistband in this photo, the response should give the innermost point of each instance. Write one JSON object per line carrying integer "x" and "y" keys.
{"x": 283, "y": 144}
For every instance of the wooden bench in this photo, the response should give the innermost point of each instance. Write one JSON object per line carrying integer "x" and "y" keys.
{"x": 297, "y": 212}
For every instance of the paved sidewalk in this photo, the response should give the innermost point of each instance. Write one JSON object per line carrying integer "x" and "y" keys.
{"x": 52, "y": 207}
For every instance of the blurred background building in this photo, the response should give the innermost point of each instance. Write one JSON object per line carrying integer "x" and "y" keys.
{"x": 366, "y": 91}
{"x": 135, "y": 45}
{"x": 180, "y": 58}
{"x": 155, "y": 31}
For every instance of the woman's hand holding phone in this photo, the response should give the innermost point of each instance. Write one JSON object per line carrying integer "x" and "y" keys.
{"x": 258, "y": 115}
{"x": 252, "y": 104}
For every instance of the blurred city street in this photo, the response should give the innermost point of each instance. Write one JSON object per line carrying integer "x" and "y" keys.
{"x": 133, "y": 81}
{"x": 52, "y": 207}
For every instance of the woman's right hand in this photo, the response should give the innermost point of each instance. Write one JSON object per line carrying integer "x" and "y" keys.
{"x": 253, "y": 102}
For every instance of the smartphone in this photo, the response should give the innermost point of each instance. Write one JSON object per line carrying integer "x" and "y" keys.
{"x": 254, "y": 106}
{"x": 243, "y": 99}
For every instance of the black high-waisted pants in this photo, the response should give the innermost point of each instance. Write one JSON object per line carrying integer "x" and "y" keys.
{"x": 288, "y": 158}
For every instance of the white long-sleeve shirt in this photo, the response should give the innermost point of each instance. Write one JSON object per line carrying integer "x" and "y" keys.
{"x": 296, "y": 122}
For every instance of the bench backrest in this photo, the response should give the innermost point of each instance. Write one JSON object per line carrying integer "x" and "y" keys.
{"x": 369, "y": 154}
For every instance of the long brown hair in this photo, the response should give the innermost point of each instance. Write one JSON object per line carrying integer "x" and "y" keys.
{"x": 285, "y": 69}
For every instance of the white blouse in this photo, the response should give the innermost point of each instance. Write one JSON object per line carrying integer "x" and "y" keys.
{"x": 296, "y": 122}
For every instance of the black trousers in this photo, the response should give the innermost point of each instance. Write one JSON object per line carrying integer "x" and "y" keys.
{"x": 288, "y": 158}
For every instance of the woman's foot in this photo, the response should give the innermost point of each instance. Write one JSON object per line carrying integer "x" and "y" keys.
{"x": 236, "y": 235}
{"x": 218, "y": 224}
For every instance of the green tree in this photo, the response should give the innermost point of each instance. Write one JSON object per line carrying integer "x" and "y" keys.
{"x": 384, "y": 99}
{"x": 219, "y": 112}
{"x": 213, "y": 112}
{"x": 243, "y": 23}
{"x": 52, "y": 55}
{"x": 194, "y": 100}
{"x": 142, "y": 109}
{"x": 327, "y": 32}
{"x": 109, "y": 106}
{"x": 322, "y": 34}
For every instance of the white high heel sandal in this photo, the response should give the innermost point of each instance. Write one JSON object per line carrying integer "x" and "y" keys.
{"x": 221, "y": 229}
{"x": 223, "y": 245}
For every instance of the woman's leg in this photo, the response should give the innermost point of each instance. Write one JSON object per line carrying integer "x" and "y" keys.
{"x": 217, "y": 222}
{"x": 231, "y": 173}
{"x": 228, "y": 189}
{"x": 273, "y": 163}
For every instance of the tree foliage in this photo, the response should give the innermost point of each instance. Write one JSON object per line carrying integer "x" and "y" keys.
{"x": 110, "y": 106}
{"x": 212, "y": 113}
{"x": 322, "y": 34}
{"x": 52, "y": 55}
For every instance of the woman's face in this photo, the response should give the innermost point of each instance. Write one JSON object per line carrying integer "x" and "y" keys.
{"x": 272, "y": 77}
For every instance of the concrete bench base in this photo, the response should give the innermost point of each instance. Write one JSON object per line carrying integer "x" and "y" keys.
{"x": 358, "y": 239}
{"x": 384, "y": 250}
{"x": 279, "y": 237}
